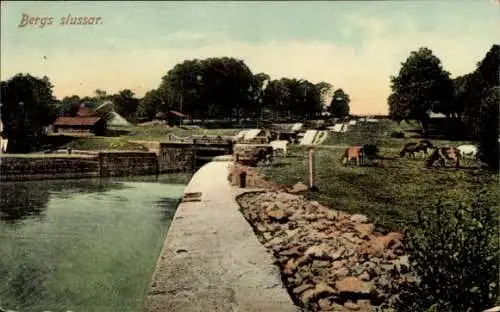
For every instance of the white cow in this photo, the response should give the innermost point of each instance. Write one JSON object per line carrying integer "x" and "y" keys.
{"x": 468, "y": 152}
{"x": 279, "y": 145}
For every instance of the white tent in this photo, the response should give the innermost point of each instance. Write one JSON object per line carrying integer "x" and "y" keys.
{"x": 240, "y": 135}
{"x": 297, "y": 126}
{"x": 308, "y": 137}
{"x": 116, "y": 119}
{"x": 251, "y": 134}
{"x": 336, "y": 128}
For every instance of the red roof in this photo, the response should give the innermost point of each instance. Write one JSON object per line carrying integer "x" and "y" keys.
{"x": 176, "y": 113}
{"x": 76, "y": 121}
{"x": 85, "y": 112}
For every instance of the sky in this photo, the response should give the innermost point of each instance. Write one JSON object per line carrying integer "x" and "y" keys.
{"x": 353, "y": 45}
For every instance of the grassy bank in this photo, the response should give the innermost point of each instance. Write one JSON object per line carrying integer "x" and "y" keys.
{"x": 391, "y": 192}
{"x": 162, "y": 132}
{"x": 122, "y": 136}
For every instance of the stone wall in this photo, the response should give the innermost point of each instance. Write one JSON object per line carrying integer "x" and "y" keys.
{"x": 161, "y": 158}
{"x": 175, "y": 156}
{"x": 152, "y": 146}
{"x": 126, "y": 163}
{"x": 39, "y": 168}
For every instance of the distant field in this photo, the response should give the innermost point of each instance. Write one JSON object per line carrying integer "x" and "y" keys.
{"x": 380, "y": 133}
{"x": 390, "y": 193}
{"x": 162, "y": 132}
{"x": 123, "y": 135}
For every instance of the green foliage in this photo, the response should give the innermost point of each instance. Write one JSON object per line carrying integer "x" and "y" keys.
{"x": 125, "y": 103}
{"x": 421, "y": 86}
{"x": 339, "y": 107}
{"x": 69, "y": 105}
{"x": 454, "y": 250}
{"x": 150, "y": 105}
{"x": 488, "y": 129}
{"x": 478, "y": 94}
{"x": 27, "y": 107}
{"x": 222, "y": 83}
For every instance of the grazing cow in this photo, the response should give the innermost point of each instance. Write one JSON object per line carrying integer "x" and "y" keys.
{"x": 413, "y": 147}
{"x": 279, "y": 145}
{"x": 352, "y": 152}
{"x": 370, "y": 151}
{"x": 468, "y": 152}
{"x": 265, "y": 155}
{"x": 443, "y": 155}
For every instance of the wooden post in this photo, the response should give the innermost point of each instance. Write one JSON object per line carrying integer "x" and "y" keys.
{"x": 194, "y": 156}
{"x": 311, "y": 167}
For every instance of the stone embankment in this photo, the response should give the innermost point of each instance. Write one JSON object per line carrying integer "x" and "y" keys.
{"x": 329, "y": 260}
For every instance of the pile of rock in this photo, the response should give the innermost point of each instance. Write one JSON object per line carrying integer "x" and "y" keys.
{"x": 329, "y": 260}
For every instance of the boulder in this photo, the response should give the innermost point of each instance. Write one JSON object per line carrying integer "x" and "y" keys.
{"x": 298, "y": 188}
{"x": 353, "y": 285}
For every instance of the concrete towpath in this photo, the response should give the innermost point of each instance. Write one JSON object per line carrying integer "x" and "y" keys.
{"x": 211, "y": 259}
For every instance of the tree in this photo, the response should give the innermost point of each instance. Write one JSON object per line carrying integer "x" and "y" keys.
{"x": 28, "y": 106}
{"x": 69, "y": 105}
{"x": 488, "y": 128}
{"x": 150, "y": 105}
{"x": 101, "y": 95}
{"x": 397, "y": 109}
{"x": 125, "y": 103}
{"x": 339, "y": 107}
{"x": 273, "y": 98}
{"x": 324, "y": 89}
{"x": 226, "y": 85}
{"x": 422, "y": 86}
{"x": 260, "y": 82}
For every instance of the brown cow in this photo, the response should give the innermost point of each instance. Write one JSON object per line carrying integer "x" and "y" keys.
{"x": 443, "y": 154}
{"x": 413, "y": 147}
{"x": 352, "y": 152}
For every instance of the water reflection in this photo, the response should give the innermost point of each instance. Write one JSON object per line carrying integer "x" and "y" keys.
{"x": 83, "y": 245}
{"x": 165, "y": 204}
{"x": 21, "y": 200}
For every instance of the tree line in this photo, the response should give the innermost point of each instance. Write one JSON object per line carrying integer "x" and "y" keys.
{"x": 221, "y": 87}
{"x": 470, "y": 102}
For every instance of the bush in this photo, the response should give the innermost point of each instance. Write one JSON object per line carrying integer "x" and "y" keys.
{"x": 398, "y": 134}
{"x": 454, "y": 253}
{"x": 488, "y": 128}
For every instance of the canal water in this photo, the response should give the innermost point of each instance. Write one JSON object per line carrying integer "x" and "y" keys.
{"x": 87, "y": 245}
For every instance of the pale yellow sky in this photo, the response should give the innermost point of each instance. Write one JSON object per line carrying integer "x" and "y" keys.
{"x": 355, "y": 46}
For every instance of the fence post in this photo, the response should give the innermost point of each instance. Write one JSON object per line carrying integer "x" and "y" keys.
{"x": 311, "y": 167}
{"x": 194, "y": 156}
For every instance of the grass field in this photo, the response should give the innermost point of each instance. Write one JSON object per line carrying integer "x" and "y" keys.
{"x": 392, "y": 191}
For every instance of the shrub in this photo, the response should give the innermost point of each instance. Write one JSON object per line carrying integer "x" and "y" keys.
{"x": 488, "y": 128}
{"x": 454, "y": 252}
{"x": 398, "y": 134}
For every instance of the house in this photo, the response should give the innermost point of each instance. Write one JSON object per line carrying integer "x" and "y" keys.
{"x": 175, "y": 118}
{"x": 86, "y": 122}
{"x": 79, "y": 125}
